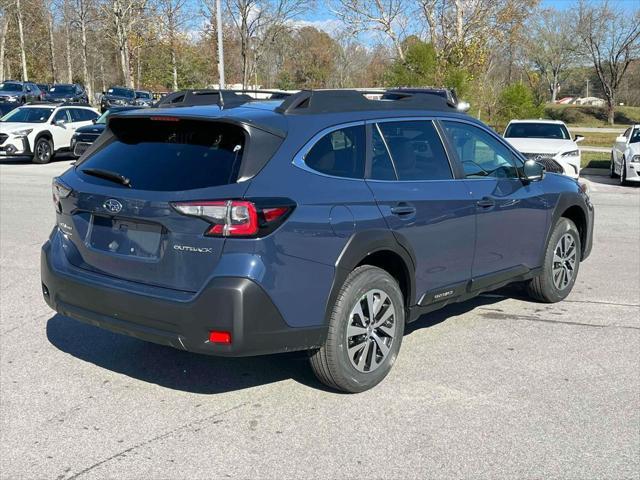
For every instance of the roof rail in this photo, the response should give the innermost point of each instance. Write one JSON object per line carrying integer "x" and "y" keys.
{"x": 334, "y": 101}
{"x": 59, "y": 104}
{"x": 210, "y": 96}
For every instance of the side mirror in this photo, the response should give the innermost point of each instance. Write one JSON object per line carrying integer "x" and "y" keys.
{"x": 578, "y": 138}
{"x": 621, "y": 139}
{"x": 94, "y": 120}
{"x": 533, "y": 171}
{"x": 59, "y": 123}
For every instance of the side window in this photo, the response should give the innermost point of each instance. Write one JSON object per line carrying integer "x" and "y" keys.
{"x": 339, "y": 153}
{"x": 381, "y": 164}
{"x": 61, "y": 114}
{"x": 416, "y": 150}
{"x": 627, "y": 133}
{"x": 82, "y": 115}
{"x": 481, "y": 154}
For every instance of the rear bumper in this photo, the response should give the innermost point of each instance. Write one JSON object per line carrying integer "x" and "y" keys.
{"x": 231, "y": 304}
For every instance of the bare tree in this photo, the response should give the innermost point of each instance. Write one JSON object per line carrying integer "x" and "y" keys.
{"x": 172, "y": 15}
{"x": 387, "y": 17}
{"x": 259, "y": 21}
{"x": 84, "y": 14}
{"x": 611, "y": 39}
{"x": 552, "y": 48}
{"x": 52, "y": 47}
{"x": 4, "y": 27}
{"x": 23, "y": 53}
{"x": 124, "y": 15}
{"x": 66, "y": 9}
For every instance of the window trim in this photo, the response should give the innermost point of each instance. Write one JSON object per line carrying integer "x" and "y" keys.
{"x": 298, "y": 159}
{"x": 445, "y": 146}
{"x": 491, "y": 133}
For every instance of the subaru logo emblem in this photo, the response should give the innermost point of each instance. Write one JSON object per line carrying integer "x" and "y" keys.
{"x": 112, "y": 205}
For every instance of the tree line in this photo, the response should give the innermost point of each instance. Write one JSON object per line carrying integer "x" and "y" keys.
{"x": 482, "y": 48}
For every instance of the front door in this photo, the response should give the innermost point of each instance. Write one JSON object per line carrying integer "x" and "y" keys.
{"x": 429, "y": 211}
{"x": 62, "y": 129}
{"x": 511, "y": 216}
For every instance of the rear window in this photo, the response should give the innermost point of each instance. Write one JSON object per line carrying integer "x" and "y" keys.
{"x": 169, "y": 155}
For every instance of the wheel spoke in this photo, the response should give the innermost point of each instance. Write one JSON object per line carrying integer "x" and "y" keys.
{"x": 384, "y": 349}
{"x": 362, "y": 361}
{"x": 370, "y": 306}
{"x": 389, "y": 312}
{"x": 356, "y": 348}
{"x": 354, "y": 330}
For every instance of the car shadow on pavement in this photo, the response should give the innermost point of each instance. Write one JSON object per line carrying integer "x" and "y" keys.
{"x": 196, "y": 373}
{"x": 172, "y": 368}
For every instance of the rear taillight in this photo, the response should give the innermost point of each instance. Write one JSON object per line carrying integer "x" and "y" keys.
{"x": 59, "y": 191}
{"x": 236, "y": 218}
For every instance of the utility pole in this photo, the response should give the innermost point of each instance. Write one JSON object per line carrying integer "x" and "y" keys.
{"x": 220, "y": 46}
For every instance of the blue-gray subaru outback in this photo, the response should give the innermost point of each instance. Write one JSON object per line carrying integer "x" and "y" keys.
{"x": 325, "y": 222}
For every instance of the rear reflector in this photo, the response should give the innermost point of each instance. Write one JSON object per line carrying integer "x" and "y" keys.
{"x": 216, "y": 336}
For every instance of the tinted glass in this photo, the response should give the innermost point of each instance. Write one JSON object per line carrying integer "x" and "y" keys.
{"x": 62, "y": 115}
{"x": 635, "y": 136}
{"x": 121, "y": 92}
{"x": 146, "y": 95}
{"x": 481, "y": 154}
{"x": 170, "y": 156}
{"x": 10, "y": 87}
{"x": 28, "y": 115}
{"x": 416, "y": 150}
{"x": 339, "y": 153}
{"x": 381, "y": 165}
{"x": 82, "y": 115}
{"x": 537, "y": 130}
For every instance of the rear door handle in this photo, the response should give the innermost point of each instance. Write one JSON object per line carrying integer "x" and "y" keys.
{"x": 486, "y": 202}
{"x": 403, "y": 209}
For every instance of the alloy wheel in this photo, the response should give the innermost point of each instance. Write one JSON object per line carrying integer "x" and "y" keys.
{"x": 564, "y": 261}
{"x": 43, "y": 150}
{"x": 371, "y": 330}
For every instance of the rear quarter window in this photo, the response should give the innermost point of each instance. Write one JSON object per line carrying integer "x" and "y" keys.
{"x": 340, "y": 153}
{"x": 169, "y": 155}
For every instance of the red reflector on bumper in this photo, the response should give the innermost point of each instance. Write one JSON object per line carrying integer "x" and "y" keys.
{"x": 219, "y": 337}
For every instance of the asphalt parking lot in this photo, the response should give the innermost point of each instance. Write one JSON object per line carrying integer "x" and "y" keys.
{"x": 497, "y": 387}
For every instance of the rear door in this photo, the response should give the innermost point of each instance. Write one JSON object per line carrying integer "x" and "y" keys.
{"x": 511, "y": 215}
{"x": 429, "y": 210}
{"x": 132, "y": 232}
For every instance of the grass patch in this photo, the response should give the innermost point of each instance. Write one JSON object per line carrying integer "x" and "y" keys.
{"x": 586, "y": 116}
{"x": 597, "y": 139}
{"x": 595, "y": 160}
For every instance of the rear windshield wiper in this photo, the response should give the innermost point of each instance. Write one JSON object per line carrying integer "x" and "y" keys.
{"x": 108, "y": 175}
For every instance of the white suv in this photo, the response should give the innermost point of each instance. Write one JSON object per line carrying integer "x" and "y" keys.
{"x": 625, "y": 156}
{"x": 41, "y": 130}
{"x": 548, "y": 142}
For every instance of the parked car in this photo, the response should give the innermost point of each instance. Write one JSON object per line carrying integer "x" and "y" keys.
{"x": 67, "y": 92}
{"x": 144, "y": 98}
{"x": 18, "y": 93}
{"x": 325, "y": 222}
{"x": 44, "y": 88}
{"x": 84, "y": 137}
{"x": 625, "y": 156}
{"x": 548, "y": 142}
{"x": 117, "y": 97}
{"x": 41, "y": 130}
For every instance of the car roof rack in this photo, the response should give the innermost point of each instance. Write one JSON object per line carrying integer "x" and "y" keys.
{"x": 348, "y": 100}
{"x": 210, "y": 96}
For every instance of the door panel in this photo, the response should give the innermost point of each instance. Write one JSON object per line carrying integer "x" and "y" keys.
{"x": 431, "y": 212}
{"x": 511, "y": 217}
{"x": 62, "y": 133}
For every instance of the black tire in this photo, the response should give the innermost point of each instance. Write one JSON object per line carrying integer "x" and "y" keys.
{"x": 42, "y": 150}
{"x": 623, "y": 172}
{"x": 543, "y": 287}
{"x": 331, "y": 363}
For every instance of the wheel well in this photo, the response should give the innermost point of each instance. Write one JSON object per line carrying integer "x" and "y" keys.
{"x": 44, "y": 134}
{"x": 577, "y": 216}
{"x": 392, "y": 263}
